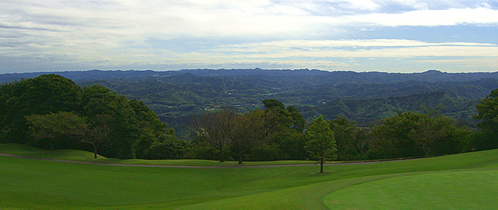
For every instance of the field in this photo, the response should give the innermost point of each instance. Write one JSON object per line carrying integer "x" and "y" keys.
{"x": 456, "y": 181}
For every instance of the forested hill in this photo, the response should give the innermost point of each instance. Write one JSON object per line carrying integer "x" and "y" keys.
{"x": 367, "y": 111}
{"x": 364, "y": 97}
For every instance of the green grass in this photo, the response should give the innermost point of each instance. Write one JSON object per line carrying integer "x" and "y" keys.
{"x": 76, "y": 155}
{"x": 469, "y": 189}
{"x": 40, "y": 183}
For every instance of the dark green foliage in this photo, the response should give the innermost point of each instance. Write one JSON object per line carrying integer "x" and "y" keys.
{"x": 284, "y": 138}
{"x": 248, "y": 131}
{"x": 412, "y": 134}
{"x": 487, "y": 112}
{"x": 124, "y": 131}
{"x": 151, "y": 128}
{"x": 298, "y": 122}
{"x": 169, "y": 147}
{"x": 367, "y": 111}
{"x": 56, "y": 130}
{"x": 51, "y": 93}
{"x": 41, "y": 95}
{"x": 353, "y": 143}
{"x": 112, "y": 124}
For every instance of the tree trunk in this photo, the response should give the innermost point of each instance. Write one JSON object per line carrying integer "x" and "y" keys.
{"x": 94, "y": 151}
{"x": 221, "y": 155}
{"x": 321, "y": 165}
{"x": 240, "y": 158}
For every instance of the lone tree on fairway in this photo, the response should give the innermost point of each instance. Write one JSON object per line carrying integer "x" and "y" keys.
{"x": 321, "y": 144}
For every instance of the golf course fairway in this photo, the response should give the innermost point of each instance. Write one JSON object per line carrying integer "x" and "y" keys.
{"x": 466, "y": 180}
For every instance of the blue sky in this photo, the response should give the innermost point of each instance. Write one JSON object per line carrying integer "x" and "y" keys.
{"x": 335, "y": 35}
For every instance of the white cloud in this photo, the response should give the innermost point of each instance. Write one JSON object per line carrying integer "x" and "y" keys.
{"x": 431, "y": 17}
{"x": 117, "y": 32}
{"x": 362, "y": 48}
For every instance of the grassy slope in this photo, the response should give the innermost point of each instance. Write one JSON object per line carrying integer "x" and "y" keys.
{"x": 28, "y": 183}
{"x": 76, "y": 155}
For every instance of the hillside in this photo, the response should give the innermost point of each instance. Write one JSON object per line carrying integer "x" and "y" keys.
{"x": 364, "y": 97}
{"x": 367, "y": 111}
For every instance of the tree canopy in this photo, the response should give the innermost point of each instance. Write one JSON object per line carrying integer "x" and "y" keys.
{"x": 321, "y": 144}
{"x": 52, "y": 111}
{"x": 487, "y": 112}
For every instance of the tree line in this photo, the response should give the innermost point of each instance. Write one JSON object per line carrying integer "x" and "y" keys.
{"x": 52, "y": 112}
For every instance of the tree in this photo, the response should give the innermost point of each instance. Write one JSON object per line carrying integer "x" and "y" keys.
{"x": 298, "y": 122}
{"x": 151, "y": 128}
{"x": 392, "y": 138}
{"x": 215, "y": 129}
{"x": 283, "y": 119}
{"x": 124, "y": 130}
{"x": 249, "y": 129}
{"x": 41, "y": 95}
{"x": 52, "y": 93}
{"x": 55, "y": 127}
{"x": 169, "y": 147}
{"x": 285, "y": 131}
{"x": 321, "y": 145}
{"x": 487, "y": 112}
{"x": 97, "y": 131}
{"x": 412, "y": 134}
{"x": 350, "y": 140}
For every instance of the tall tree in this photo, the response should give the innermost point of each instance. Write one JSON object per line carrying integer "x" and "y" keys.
{"x": 151, "y": 128}
{"x": 97, "y": 131}
{"x": 285, "y": 126}
{"x": 282, "y": 116}
{"x": 123, "y": 126}
{"x": 487, "y": 112}
{"x": 249, "y": 130}
{"x": 351, "y": 142}
{"x": 41, "y": 95}
{"x": 321, "y": 144}
{"x": 215, "y": 129}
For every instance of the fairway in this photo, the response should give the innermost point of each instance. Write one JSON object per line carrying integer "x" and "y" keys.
{"x": 469, "y": 178}
{"x": 467, "y": 189}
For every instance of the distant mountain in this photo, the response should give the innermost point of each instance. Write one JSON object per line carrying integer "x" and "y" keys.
{"x": 312, "y": 76}
{"x": 87, "y": 75}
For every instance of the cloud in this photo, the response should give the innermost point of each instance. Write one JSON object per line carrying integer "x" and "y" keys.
{"x": 431, "y": 17}
{"x": 360, "y": 48}
{"x": 127, "y": 32}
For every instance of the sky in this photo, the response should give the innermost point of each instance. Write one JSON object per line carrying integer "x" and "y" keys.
{"x": 399, "y": 36}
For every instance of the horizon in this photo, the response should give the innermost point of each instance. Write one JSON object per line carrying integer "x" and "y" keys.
{"x": 257, "y": 69}
{"x": 391, "y": 36}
